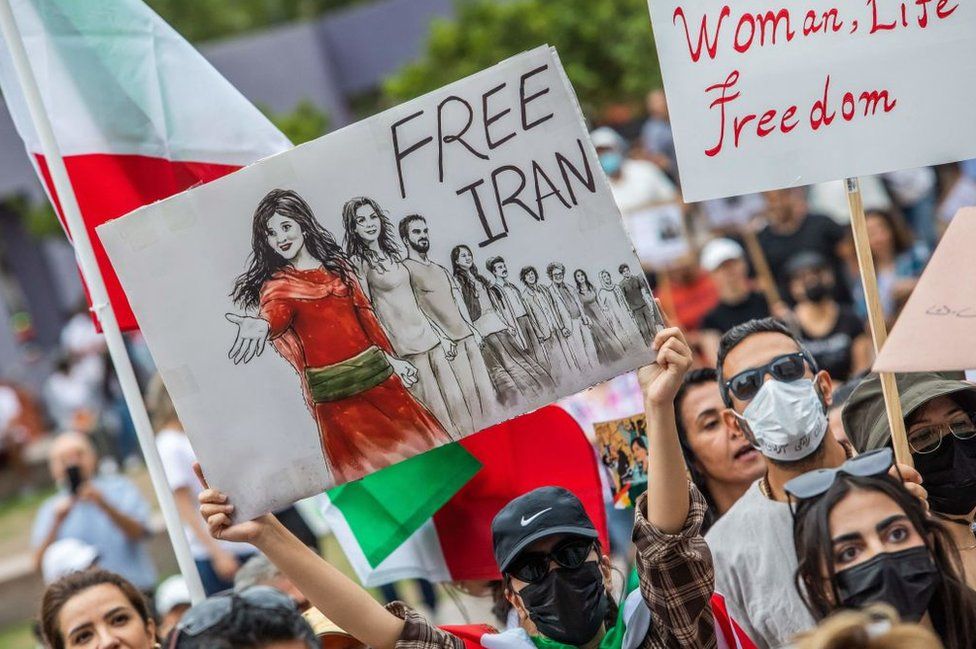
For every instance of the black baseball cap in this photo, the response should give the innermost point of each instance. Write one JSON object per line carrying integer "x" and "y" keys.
{"x": 540, "y": 513}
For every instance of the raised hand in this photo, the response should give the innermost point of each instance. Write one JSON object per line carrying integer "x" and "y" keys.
{"x": 252, "y": 334}
{"x": 216, "y": 511}
{"x": 661, "y": 380}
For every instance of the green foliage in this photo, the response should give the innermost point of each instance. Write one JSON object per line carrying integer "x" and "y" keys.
{"x": 202, "y": 20}
{"x": 38, "y": 217}
{"x": 304, "y": 123}
{"x": 606, "y": 47}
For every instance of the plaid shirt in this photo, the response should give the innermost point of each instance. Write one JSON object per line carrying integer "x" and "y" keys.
{"x": 676, "y": 580}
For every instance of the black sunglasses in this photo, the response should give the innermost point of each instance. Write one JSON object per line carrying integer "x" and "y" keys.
{"x": 787, "y": 367}
{"x": 214, "y": 610}
{"x": 816, "y": 483}
{"x": 532, "y": 566}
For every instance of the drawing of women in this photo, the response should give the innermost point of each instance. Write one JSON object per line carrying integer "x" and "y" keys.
{"x": 373, "y": 250}
{"x": 612, "y": 301}
{"x": 608, "y": 347}
{"x": 513, "y": 371}
{"x": 313, "y": 310}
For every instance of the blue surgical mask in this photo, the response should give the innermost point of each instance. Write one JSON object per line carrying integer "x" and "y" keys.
{"x": 611, "y": 162}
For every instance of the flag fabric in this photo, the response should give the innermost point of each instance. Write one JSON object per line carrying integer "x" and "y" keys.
{"x": 545, "y": 447}
{"x": 137, "y": 112}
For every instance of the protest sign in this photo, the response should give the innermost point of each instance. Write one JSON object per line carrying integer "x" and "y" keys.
{"x": 936, "y": 330}
{"x": 764, "y": 95}
{"x": 387, "y": 288}
{"x": 659, "y": 234}
{"x": 622, "y": 444}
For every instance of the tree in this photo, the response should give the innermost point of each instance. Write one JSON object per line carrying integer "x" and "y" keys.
{"x": 202, "y": 20}
{"x": 304, "y": 123}
{"x": 606, "y": 47}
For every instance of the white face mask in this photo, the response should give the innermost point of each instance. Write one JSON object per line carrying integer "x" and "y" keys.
{"x": 785, "y": 421}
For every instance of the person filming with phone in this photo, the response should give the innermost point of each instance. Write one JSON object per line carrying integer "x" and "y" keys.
{"x": 105, "y": 511}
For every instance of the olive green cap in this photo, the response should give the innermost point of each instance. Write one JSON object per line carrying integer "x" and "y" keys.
{"x": 864, "y": 416}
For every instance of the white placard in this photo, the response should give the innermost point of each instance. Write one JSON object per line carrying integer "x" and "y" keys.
{"x": 395, "y": 346}
{"x": 765, "y": 95}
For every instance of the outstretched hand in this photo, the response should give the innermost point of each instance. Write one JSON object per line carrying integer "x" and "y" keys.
{"x": 252, "y": 334}
{"x": 217, "y": 510}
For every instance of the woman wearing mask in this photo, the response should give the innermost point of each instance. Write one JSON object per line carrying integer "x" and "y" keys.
{"x": 861, "y": 538}
{"x": 96, "y": 608}
{"x": 940, "y": 419}
{"x": 555, "y": 574}
{"x": 832, "y": 332}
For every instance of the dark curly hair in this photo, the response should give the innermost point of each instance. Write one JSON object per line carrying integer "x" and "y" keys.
{"x": 264, "y": 261}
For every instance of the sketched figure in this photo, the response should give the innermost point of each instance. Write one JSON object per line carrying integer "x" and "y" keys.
{"x": 439, "y": 297}
{"x": 373, "y": 250}
{"x": 641, "y": 304}
{"x": 514, "y": 310}
{"x": 573, "y": 323}
{"x": 609, "y": 349}
{"x": 312, "y": 309}
{"x": 611, "y": 300}
{"x": 513, "y": 371}
{"x": 542, "y": 311}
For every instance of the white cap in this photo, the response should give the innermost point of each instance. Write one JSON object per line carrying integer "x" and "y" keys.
{"x": 66, "y": 556}
{"x": 171, "y": 593}
{"x": 718, "y": 251}
{"x": 606, "y": 138}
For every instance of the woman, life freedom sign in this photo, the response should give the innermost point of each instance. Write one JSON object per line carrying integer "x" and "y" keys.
{"x": 765, "y": 94}
{"x": 444, "y": 266}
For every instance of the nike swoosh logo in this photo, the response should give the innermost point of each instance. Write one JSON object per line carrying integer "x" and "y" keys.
{"x": 526, "y": 521}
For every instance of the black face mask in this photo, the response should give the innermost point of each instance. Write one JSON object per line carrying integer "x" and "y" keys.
{"x": 905, "y": 580}
{"x": 950, "y": 476}
{"x": 568, "y": 605}
{"x": 817, "y": 292}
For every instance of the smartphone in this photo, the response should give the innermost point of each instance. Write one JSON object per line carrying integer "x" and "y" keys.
{"x": 74, "y": 478}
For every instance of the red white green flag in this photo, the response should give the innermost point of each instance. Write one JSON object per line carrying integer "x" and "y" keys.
{"x": 137, "y": 112}
{"x": 394, "y": 527}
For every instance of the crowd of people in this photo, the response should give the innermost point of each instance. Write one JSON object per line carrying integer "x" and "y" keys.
{"x": 775, "y": 513}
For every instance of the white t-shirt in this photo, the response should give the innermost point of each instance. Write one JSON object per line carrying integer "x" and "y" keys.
{"x": 830, "y": 198}
{"x": 911, "y": 185}
{"x": 755, "y": 568}
{"x": 641, "y": 183}
{"x": 178, "y": 458}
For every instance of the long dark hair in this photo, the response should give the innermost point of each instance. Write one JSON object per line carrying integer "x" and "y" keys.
{"x": 264, "y": 262}
{"x": 812, "y": 540}
{"x": 466, "y": 278}
{"x": 585, "y": 284}
{"x": 63, "y": 590}
{"x": 693, "y": 378}
{"x": 356, "y": 247}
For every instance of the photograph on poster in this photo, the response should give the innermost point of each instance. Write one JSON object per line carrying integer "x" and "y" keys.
{"x": 622, "y": 444}
{"x": 391, "y": 287}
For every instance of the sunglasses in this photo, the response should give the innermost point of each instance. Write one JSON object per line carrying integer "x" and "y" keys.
{"x": 816, "y": 483}
{"x": 530, "y": 567}
{"x": 928, "y": 440}
{"x": 788, "y": 367}
{"x": 212, "y": 611}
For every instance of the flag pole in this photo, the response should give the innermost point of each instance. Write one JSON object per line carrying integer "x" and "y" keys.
{"x": 879, "y": 331}
{"x": 761, "y": 265}
{"x": 100, "y": 301}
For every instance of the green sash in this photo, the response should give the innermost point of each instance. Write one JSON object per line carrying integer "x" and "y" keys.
{"x": 354, "y": 376}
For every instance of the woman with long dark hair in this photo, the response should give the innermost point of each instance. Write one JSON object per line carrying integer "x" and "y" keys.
{"x": 375, "y": 254}
{"x": 512, "y": 370}
{"x": 313, "y": 310}
{"x": 861, "y": 538}
{"x": 609, "y": 349}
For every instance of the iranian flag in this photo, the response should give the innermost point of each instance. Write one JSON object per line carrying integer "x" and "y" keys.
{"x": 137, "y": 112}
{"x": 430, "y": 516}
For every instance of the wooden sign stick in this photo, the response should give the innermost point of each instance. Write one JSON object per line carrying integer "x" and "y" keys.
{"x": 758, "y": 259}
{"x": 879, "y": 331}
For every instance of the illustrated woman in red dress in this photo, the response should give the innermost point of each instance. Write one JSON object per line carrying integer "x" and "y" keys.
{"x": 311, "y": 307}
